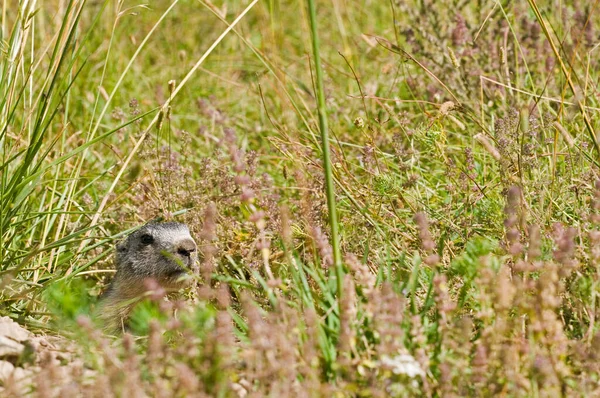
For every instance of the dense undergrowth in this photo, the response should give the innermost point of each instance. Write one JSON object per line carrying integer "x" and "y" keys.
{"x": 465, "y": 164}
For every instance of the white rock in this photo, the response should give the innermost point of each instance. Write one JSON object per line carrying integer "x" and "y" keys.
{"x": 6, "y": 369}
{"x": 10, "y": 348}
{"x": 12, "y": 330}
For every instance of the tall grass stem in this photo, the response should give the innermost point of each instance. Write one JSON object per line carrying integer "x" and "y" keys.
{"x": 329, "y": 187}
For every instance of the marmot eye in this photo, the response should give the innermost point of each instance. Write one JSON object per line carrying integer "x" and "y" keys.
{"x": 146, "y": 239}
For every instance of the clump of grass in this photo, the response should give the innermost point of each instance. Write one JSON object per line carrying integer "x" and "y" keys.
{"x": 464, "y": 257}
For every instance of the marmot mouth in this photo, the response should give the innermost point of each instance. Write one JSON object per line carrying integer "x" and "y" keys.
{"x": 176, "y": 273}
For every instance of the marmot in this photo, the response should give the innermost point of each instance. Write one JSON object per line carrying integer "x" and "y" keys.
{"x": 164, "y": 252}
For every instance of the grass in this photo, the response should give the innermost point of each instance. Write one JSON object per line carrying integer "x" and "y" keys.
{"x": 326, "y": 154}
{"x": 412, "y": 209}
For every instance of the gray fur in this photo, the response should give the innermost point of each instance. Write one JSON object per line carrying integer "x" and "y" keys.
{"x": 164, "y": 252}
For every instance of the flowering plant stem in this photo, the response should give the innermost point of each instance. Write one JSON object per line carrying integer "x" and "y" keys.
{"x": 331, "y": 207}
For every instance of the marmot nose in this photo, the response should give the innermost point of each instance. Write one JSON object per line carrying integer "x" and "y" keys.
{"x": 186, "y": 247}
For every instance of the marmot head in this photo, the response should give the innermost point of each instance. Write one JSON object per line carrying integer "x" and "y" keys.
{"x": 163, "y": 251}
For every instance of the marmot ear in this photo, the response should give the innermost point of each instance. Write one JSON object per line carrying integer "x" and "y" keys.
{"x": 121, "y": 247}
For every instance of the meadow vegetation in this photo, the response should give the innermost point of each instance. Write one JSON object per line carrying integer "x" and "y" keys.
{"x": 465, "y": 164}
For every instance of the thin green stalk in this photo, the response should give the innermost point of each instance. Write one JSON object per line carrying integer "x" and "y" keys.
{"x": 330, "y": 190}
